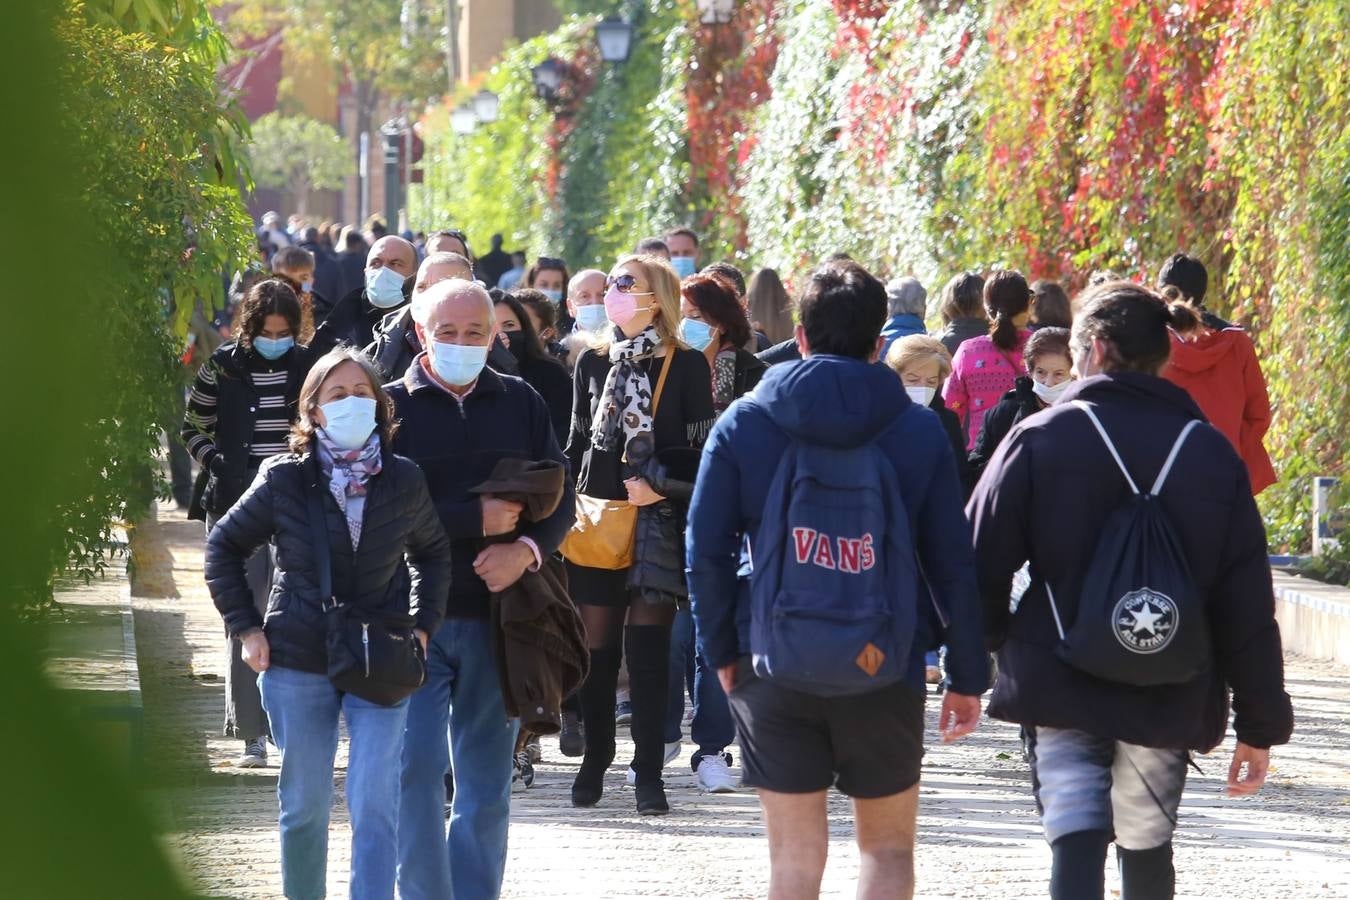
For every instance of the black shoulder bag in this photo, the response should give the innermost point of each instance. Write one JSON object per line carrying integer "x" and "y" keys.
{"x": 373, "y": 655}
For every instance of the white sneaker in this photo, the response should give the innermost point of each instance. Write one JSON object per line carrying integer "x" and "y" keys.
{"x": 672, "y": 751}
{"x": 714, "y": 776}
{"x": 254, "y": 756}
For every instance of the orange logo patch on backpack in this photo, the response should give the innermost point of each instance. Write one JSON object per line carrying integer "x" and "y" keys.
{"x": 871, "y": 659}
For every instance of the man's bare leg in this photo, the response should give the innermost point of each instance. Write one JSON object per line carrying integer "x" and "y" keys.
{"x": 885, "y": 829}
{"x": 799, "y": 837}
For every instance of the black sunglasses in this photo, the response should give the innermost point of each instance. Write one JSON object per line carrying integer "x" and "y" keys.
{"x": 549, "y": 262}
{"x": 625, "y": 283}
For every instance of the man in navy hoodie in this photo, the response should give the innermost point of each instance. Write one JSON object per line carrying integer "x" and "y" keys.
{"x": 796, "y": 744}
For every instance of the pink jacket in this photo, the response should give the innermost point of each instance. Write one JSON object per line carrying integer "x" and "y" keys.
{"x": 981, "y": 375}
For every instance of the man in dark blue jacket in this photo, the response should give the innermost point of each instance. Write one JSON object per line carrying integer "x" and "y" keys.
{"x": 1108, "y": 758}
{"x": 796, "y": 745}
{"x": 458, "y": 419}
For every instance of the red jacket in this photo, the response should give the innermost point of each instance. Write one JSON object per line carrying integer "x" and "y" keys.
{"x": 1220, "y": 371}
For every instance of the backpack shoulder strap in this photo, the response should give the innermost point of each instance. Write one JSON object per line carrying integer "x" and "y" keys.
{"x": 1096, "y": 423}
{"x": 1172, "y": 457}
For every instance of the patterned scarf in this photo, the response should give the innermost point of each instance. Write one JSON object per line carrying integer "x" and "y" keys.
{"x": 625, "y": 409}
{"x": 348, "y": 472}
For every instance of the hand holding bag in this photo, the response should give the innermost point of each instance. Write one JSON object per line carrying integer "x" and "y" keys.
{"x": 372, "y": 655}
{"x": 604, "y": 532}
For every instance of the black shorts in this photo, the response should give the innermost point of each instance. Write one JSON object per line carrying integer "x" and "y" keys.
{"x": 868, "y": 745}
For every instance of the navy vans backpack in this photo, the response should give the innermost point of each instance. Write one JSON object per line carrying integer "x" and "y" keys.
{"x": 834, "y": 589}
{"x": 1141, "y": 619}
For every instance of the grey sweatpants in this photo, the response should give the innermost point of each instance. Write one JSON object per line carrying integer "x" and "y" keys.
{"x": 1087, "y": 783}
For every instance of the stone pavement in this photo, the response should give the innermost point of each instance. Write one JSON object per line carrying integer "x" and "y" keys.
{"x": 978, "y": 835}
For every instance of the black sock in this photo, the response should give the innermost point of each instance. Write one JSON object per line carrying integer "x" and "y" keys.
{"x": 648, "y": 654}
{"x": 1147, "y": 874}
{"x": 1079, "y": 869}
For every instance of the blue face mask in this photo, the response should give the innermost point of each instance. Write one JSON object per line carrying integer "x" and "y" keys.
{"x": 457, "y": 364}
{"x": 306, "y": 287}
{"x": 684, "y": 265}
{"x": 552, "y": 293}
{"x": 695, "y": 333}
{"x": 273, "y": 348}
{"x": 384, "y": 287}
{"x": 350, "y": 421}
{"x": 591, "y": 318}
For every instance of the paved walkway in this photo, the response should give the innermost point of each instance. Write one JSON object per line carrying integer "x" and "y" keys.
{"x": 978, "y": 835}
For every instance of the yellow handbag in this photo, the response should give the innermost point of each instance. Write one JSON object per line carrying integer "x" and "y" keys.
{"x": 604, "y": 532}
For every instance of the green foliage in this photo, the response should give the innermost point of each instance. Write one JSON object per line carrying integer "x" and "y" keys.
{"x": 141, "y": 119}
{"x": 581, "y": 179}
{"x": 298, "y": 154}
{"x": 387, "y": 48}
{"x": 1283, "y": 142}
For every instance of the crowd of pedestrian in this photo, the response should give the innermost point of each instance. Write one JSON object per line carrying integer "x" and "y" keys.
{"x": 463, "y": 502}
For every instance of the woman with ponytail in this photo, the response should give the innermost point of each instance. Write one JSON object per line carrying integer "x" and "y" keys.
{"x": 985, "y": 368}
{"x": 1219, "y": 369}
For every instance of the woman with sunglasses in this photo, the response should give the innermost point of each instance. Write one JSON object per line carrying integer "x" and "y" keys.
{"x": 642, "y": 407}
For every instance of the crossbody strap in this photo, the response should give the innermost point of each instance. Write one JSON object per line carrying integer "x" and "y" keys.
{"x": 661, "y": 382}
{"x": 318, "y": 529}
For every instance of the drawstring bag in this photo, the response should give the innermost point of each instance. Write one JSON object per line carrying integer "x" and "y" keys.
{"x": 1141, "y": 620}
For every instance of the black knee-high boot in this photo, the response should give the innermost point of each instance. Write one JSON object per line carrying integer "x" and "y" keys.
{"x": 1147, "y": 874}
{"x": 597, "y": 711}
{"x": 1079, "y": 868}
{"x": 648, "y": 649}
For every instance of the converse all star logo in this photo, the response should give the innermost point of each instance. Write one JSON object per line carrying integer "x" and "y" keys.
{"x": 1145, "y": 621}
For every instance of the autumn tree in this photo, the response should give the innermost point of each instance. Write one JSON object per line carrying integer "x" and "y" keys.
{"x": 298, "y": 154}
{"x": 383, "y": 49}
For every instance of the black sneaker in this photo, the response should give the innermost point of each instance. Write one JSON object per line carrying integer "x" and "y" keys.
{"x": 572, "y": 738}
{"x": 522, "y": 774}
{"x": 623, "y": 713}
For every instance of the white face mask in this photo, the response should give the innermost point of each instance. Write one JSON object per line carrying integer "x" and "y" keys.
{"x": 1049, "y": 393}
{"x": 920, "y": 395}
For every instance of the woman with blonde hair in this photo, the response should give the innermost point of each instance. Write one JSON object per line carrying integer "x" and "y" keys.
{"x": 343, "y": 513}
{"x": 923, "y": 364}
{"x": 770, "y": 306}
{"x": 642, "y": 409}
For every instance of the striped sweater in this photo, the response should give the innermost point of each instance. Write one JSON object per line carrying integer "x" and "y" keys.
{"x": 272, "y": 422}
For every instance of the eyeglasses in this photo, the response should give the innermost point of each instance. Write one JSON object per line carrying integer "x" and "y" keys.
{"x": 625, "y": 283}
{"x": 549, "y": 262}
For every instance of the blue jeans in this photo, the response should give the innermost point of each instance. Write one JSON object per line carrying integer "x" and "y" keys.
{"x": 463, "y": 693}
{"x": 303, "y": 710}
{"x": 713, "y": 729}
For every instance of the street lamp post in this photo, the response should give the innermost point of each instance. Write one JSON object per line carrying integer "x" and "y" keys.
{"x": 548, "y": 76}
{"x": 716, "y": 12}
{"x": 392, "y": 132}
{"x": 463, "y": 121}
{"x": 486, "y": 105}
{"x": 615, "y": 38}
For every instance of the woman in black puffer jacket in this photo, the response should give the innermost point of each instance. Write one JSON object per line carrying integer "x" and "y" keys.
{"x": 377, "y": 508}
